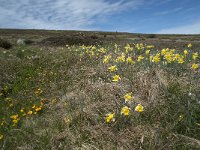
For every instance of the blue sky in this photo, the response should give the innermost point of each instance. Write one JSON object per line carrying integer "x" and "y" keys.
{"x": 136, "y": 16}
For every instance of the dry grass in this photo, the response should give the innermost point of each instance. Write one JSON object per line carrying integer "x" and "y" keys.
{"x": 80, "y": 93}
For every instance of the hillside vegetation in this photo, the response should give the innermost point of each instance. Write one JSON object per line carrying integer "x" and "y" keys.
{"x": 107, "y": 91}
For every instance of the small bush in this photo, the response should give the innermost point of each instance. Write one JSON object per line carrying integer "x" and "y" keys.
{"x": 5, "y": 44}
{"x": 94, "y": 36}
{"x": 151, "y": 36}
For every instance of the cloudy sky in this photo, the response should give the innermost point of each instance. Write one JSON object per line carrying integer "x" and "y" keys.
{"x": 141, "y": 16}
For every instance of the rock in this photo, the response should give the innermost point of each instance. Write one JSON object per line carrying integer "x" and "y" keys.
{"x": 21, "y": 42}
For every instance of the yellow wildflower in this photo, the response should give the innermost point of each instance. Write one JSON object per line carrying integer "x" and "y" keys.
{"x": 128, "y": 48}
{"x": 121, "y": 58}
{"x": 195, "y": 66}
{"x": 125, "y": 111}
{"x": 139, "y": 108}
{"x": 163, "y": 51}
{"x": 140, "y": 58}
{"x": 147, "y": 52}
{"x": 156, "y": 59}
{"x": 128, "y": 97}
{"x": 67, "y": 120}
{"x": 38, "y": 92}
{"x": 116, "y": 78}
{"x": 105, "y": 60}
{"x": 14, "y": 117}
{"x": 189, "y": 45}
{"x": 129, "y": 60}
{"x": 30, "y": 112}
{"x": 38, "y": 108}
{"x": 110, "y": 117}
{"x": 195, "y": 56}
{"x": 180, "y": 60}
{"x": 149, "y": 46}
{"x": 180, "y": 117}
{"x": 22, "y": 110}
{"x": 185, "y": 52}
{"x": 112, "y": 68}
{"x": 1, "y": 136}
{"x": 15, "y": 121}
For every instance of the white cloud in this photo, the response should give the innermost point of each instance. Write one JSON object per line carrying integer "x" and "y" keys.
{"x": 193, "y": 28}
{"x": 171, "y": 11}
{"x": 59, "y": 14}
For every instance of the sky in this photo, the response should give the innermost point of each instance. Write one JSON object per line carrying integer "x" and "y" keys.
{"x": 135, "y": 16}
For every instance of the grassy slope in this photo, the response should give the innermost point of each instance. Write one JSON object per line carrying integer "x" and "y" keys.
{"x": 77, "y": 95}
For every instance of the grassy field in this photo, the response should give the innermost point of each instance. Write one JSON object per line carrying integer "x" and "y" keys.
{"x": 99, "y": 90}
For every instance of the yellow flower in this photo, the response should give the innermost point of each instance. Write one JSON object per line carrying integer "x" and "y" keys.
{"x": 129, "y": 60}
{"x": 180, "y": 60}
{"x": 15, "y": 121}
{"x": 195, "y": 66}
{"x": 110, "y": 117}
{"x": 185, "y": 52}
{"x": 190, "y": 45}
{"x": 140, "y": 58}
{"x": 147, "y": 52}
{"x": 38, "y": 108}
{"x": 105, "y": 60}
{"x": 121, "y": 58}
{"x": 156, "y": 59}
{"x": 180, "y": 117}
{"x": 163, "y": 51}
{"x": 22, "y": 110}
{"x": 128, "y": 97}
{"x": 38, "y": 92}
{"x": 149, "y": 46}
{"x": 139, "y": 108}
{"x": 14, "y": 117}
{"x": 128, "y": 48}
{"x": 125, "y": 111}
{"x": 1, "y": 136}
{"x": 195, "y": 56}
{"x": 116, "y": 78}
{"x": 67, "y": 120}
{"x": 112, "y": 68}
{"x": 30, "y": 112}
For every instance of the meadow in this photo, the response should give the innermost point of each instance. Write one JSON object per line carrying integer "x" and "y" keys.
{"x": 107, "y": 91}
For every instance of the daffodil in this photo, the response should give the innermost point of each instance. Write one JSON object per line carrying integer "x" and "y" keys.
{"x": 110, "y": 117}
{"x": 121, "y": 58}
{"x": 1, "y": 136}
{"x": 195, "y": 56}
{"x": 30, "y": 112}
{"x": 139, "y": 108}
{"x": 112, "y": 68}
{"x": 147, "y": 52}
{"x": 116, "y": 78}
{"x": 129, "y": 60}
{"x": 195, "y": 66}
{"x": 150, "y": 46}
{"x": 189, "y": 45}
{"x": 156, "y": 59}
{"x": 180, "y": 60}
{"x": 14, "y": 117}
{"x": 140, "y": 58}
{"x": 127, "y": 97}
{"x": 185, "y": 52}
{"x": 125, "y": 111}
{"x": 38, "y": 108}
